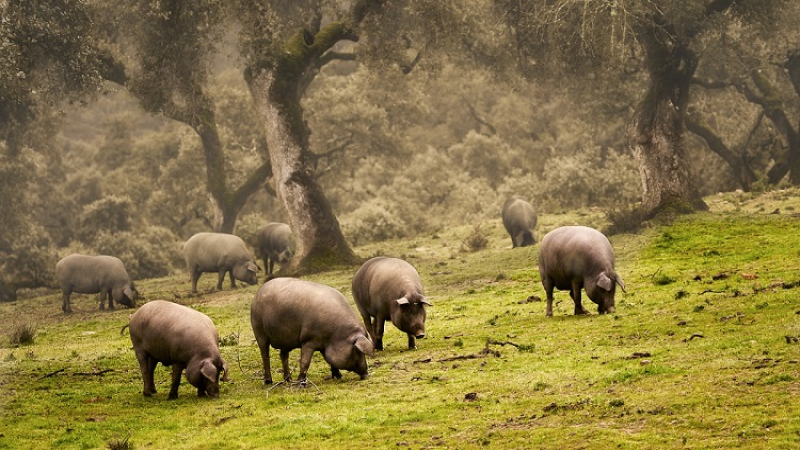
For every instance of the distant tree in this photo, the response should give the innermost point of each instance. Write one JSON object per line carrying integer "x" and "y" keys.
{"x": 604, "y": 41}
{"x": 172, "y": 47}
{"x": 48, "y": 55}
{"x": 762, "y": 66}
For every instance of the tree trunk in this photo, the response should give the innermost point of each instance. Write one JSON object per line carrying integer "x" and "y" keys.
{"x": 225, "y": 204}
{"x": 656, "y": 133}
{"x": 276, "y": 93}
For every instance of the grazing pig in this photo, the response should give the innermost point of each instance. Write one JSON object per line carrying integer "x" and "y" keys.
{"x": 289, "y": 313}
{"x": 577, "y": 257}
{"x": 178, "y": 336}
{"x": 390, "y": 289}
{"x": 274, "y": 243}
{"x": 220, "y": 253}
{"x": 519, "y": 219}
{"x": 105, "y": 275}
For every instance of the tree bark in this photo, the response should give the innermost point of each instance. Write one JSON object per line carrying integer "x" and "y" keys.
{"x": 277, "y": 89}
{"x": 656, "y": 133}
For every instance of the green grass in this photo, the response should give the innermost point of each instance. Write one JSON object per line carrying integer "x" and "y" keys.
{"x": 697, "y": 355}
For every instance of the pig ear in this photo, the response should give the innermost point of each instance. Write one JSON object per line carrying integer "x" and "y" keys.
{"x": 225, "y": 372}
{"x": 128, "y": 293}
{"x": 208, "y": 370}
{"x": 402, "y": 301}
{"x": 604, "y": 282}
{"x": 251, "y": 266}
{"x": 426, "y": 301}
{"x": 620, "y": 282}
{"x": 364, "y": 345}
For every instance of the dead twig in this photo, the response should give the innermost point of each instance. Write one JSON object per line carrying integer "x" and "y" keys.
{"x": 101, "y": 372}
{"x": 53, "y": 373}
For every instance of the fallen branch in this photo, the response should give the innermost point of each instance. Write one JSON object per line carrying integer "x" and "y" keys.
{"x": 93, "y": 373}
{"x": 53, "y": 373}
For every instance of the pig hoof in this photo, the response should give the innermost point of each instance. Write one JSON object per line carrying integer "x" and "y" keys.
{"x": 268, "y": 381}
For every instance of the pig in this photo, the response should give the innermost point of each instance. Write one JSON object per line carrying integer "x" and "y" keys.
{"x": 519, "y": 219}
{"x": 178, "y": 336}
{"x": 289, "y": 313}
{"x": 274, "y": 243}
{"x": 390, "y": 289}
{"x": 105, "y": 275}
{"x": 220, "y": 253}
{"x": 575, "y": 257}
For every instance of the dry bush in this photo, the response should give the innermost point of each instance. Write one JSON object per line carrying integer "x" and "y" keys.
{"x": 22, "y": 334}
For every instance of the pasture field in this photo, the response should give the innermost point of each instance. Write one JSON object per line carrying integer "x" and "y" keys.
{"x": 702, "y": 352}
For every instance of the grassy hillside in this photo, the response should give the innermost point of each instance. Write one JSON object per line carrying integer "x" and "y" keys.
{"x": 703, "y": 352}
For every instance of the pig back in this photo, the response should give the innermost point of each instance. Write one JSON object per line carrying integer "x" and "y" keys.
{"x": 290, "y": 312}
{"x": 214, "y": 251}
{"x": 273, "y": 238}
{"x": 518, "y": 214}
{"x": 90, "y": 274}
{"x": 574, "y": 252}
{"x": 382, "y": 280}
{"x": 172, "y": 333}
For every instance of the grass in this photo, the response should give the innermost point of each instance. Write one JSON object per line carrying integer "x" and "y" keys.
{"x": 698, "y": 354}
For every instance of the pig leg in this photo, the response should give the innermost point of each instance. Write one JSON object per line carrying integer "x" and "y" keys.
{"x": 263, "y": 345}
{"x": 271, "y": 266}
{"x": 222, "y": 278}
{"x": 287, "y": 374}
{"x": 548, "y": 289}
{"x": 335, "y": 373}
{"x": 379, "y": 328}
{"x": 195, "y": 277}
{"x": 575, "y": 293}
{"x": 65, "y": 306}
{"x": 177, "y": 370}
{"x": 110, "y": 301}
{"x": 368, "y": 322}
{"x": 103, "y": 294}
{"x": 412, "y": 342}
{"x": 147, "y": 365}
{"x": 306, "y": 352}
{"x": 233, "y": 280}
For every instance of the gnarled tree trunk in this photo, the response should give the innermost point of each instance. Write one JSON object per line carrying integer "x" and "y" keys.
{"x": 277, "y": 89}
{"x": 656, "y": 133}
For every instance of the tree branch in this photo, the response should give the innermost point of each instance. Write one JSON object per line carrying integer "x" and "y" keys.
{"x": 480, "y": 118}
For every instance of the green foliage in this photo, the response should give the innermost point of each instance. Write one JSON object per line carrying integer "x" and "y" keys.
{"x": 150, "y": 253}
{"x": 375, "y": 220}
{"x": 592, "y": 177}
{"x": 109, "y": 214}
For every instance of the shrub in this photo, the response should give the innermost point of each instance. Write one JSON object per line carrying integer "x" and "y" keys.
{"x": 110, "y": 213}
{"x": 22, "y": 334}
{"x": 154, "y": 252}
{"x": 373, "y": 221}
{"x": 476, "y": 240}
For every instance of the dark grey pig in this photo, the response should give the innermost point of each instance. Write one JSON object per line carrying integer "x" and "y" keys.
{"x": 288, "y": 313}
{"x": 520, "y": 219}
{"x": 105, "y": 275}
{"x": 577, "y": 257}
{"x": 274, "y": 243}
{"x": 219, "y": 253}
{"x": 178, "y": 336}
{"x": 390, "y": 289}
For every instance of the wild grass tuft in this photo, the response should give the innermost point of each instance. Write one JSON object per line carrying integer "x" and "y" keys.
{"x": 22, "y": 334}
{"x": 476, "y": 240}
{"x": 124, "y": 444}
